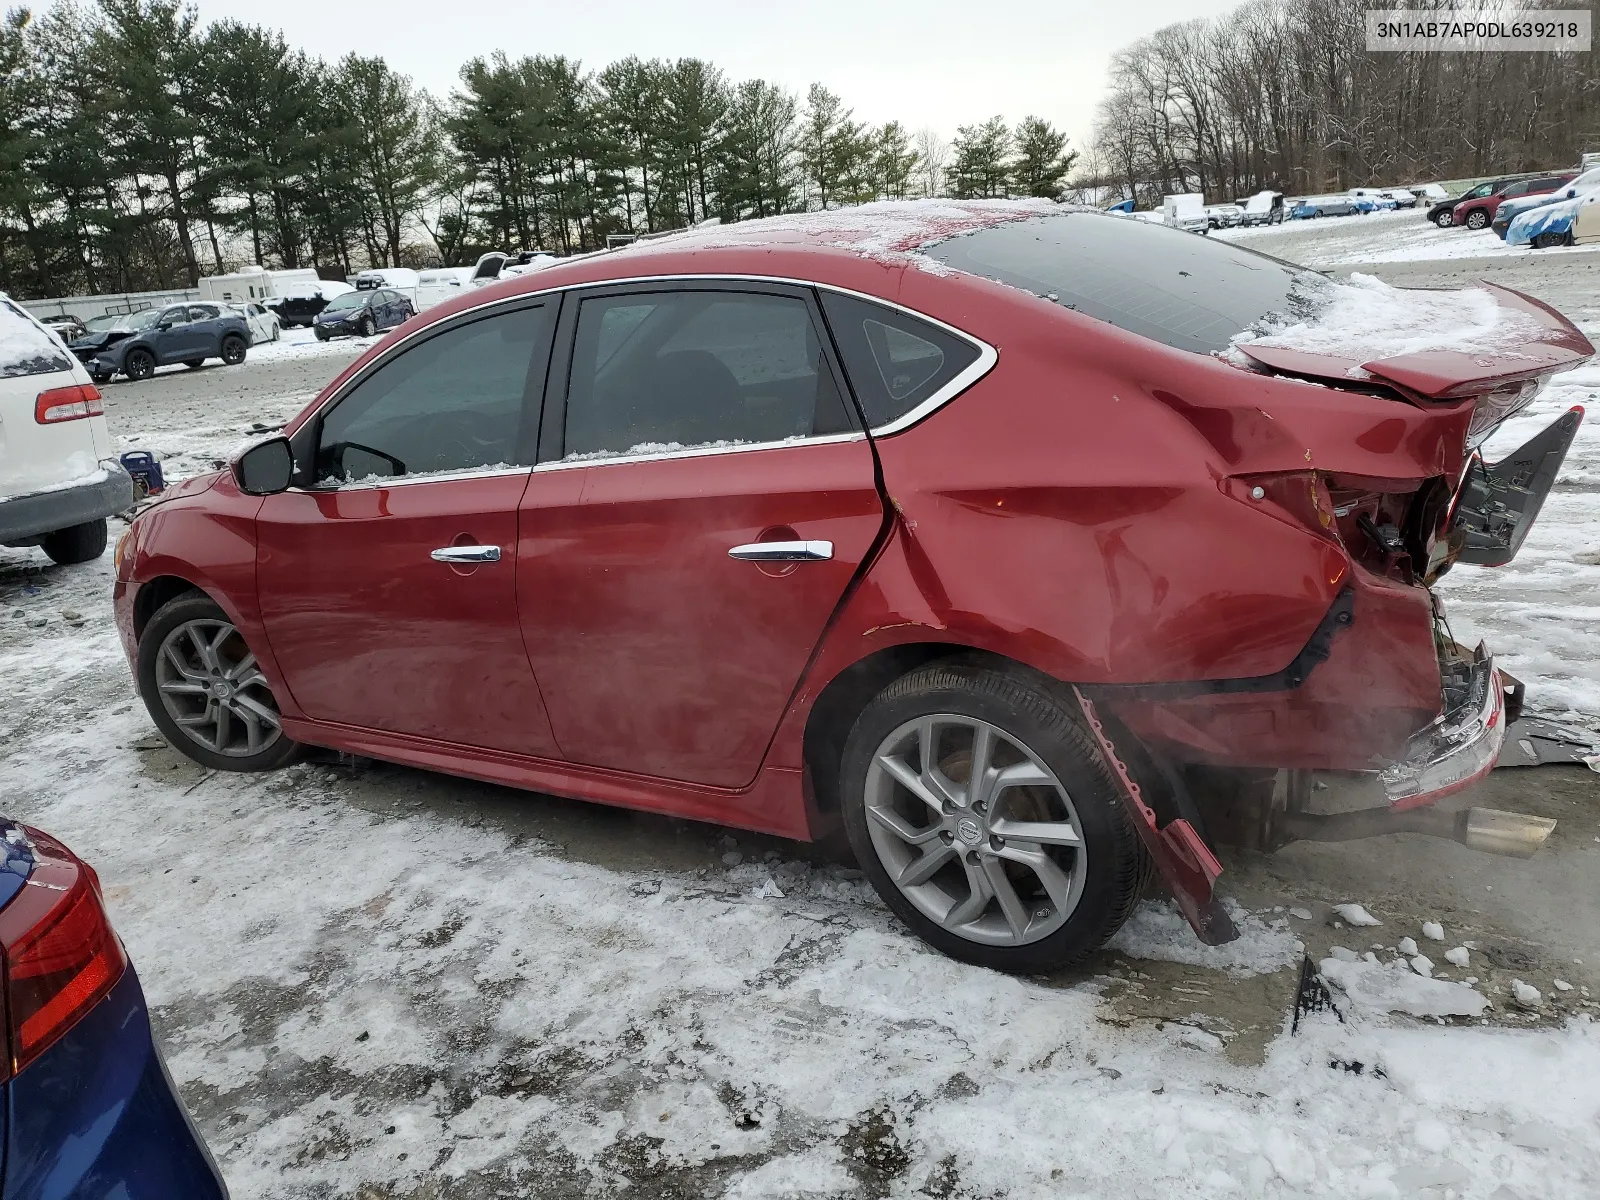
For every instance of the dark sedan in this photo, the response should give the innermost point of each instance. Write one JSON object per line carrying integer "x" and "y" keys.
{"x": 362, "y": 314}
{"x": 181, "y": 333}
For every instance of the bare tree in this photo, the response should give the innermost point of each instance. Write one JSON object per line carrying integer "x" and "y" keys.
{"x": 933, "y": 155}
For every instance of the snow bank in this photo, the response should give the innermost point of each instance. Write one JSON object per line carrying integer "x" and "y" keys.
{"x": 1366, "y": 319}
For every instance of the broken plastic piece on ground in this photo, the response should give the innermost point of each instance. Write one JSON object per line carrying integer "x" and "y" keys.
{"x": 1536, "y": 742}
{"x": 1311, "y": 996}
{"x": 1180, "y": 853}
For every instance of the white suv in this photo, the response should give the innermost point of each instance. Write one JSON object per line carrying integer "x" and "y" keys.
{"x": 59, "y": 479}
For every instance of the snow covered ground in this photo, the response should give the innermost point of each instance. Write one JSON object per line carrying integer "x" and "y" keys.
{"x": 1400, "y": 236}
{"x": 380, "y": 983}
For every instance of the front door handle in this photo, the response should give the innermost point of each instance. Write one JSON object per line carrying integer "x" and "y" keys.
{"x": 783, "y": 552}
{"x": 466, "y": 554}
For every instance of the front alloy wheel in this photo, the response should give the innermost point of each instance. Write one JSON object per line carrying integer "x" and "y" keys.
{"x": 205, "y": 691}
{"x": 1477, "y": 219}
{"x": 978, "y": 806}
{"x": 1444, "y": 220}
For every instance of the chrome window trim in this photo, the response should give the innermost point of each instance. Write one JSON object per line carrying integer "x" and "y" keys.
{"x": 981, "y": 366}
{"x": 699, "y": 452}
{"x": 411, "y": 480}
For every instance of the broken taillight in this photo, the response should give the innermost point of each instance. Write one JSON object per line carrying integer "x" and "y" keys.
{"x": 60, "y": 955}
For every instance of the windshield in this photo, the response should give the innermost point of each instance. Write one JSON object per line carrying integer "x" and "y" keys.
{"x": 1190, "y": 292}
{"x": 101, "y": 324}
{"x": 348, "y": 300}
{"x": 1477, "y": 193}
{"x": 142, "y": 319}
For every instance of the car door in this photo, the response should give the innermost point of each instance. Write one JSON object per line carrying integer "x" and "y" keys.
{"x": 386, "y": 575}
{"x": 207, "y": 321}
{"x": 171, "y": 338}
{"x": 704, "y": 497}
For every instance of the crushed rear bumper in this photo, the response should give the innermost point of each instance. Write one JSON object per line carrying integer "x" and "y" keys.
{"x": 1457, "y": 749}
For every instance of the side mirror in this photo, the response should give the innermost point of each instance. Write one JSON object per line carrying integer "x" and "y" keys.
{"x": 266, "y": 468}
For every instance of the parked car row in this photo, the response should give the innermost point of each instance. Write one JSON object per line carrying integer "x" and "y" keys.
{"x": 136, "y": 344}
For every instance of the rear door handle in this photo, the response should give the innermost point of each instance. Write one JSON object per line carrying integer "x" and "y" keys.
{"x": 783, "y": 552}
{"x": 466, "y": 554}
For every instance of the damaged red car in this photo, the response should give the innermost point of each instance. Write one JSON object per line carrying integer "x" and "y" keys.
{"x": 987, "y": 532}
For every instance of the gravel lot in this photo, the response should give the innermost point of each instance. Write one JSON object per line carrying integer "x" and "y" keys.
{"x": 379, "y": 982}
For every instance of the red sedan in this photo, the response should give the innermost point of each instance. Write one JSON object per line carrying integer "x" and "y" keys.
{"x": 959, "y": 525}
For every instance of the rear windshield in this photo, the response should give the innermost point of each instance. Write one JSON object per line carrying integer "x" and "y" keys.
{"x": 25, "y": 349}
{"x": 1192, "y": 292}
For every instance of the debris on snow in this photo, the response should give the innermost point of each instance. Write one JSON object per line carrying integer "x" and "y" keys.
{"x": 1356, "y": 915}
{"x": 1157, "y": 930}
{"x": 1379, "y": 989}
{"x": 1433, "y": 931}
{"x": 1525, "y": 994}
{"x": 769, "y": 890}
{"x": 1407, "y": 946}
{"x": 1459, "y": 956}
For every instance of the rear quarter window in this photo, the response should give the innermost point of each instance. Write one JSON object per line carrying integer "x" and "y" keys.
{"x": 25, "y": 348}
{"x": 896, "y": 362}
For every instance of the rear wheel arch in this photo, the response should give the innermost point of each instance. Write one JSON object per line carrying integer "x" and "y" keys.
{"x": 848, "y": 693}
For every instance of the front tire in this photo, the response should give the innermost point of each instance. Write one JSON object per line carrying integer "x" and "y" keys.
{"x": 204, "y": 691}
{"x": 368, "y": 326}
{"x": 1031, "y": 870}
{"x": 1548, "y": 241}
{"x": 139, "y": 364}
{"x": 76, "y": 544}
{"x": 1444, "y": 220}
{"x": 233, "y": 350}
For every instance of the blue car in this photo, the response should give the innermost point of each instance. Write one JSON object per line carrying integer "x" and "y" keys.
{"x": 1545, "y": 226}
{"x": 181, "y": 333}
{"x": 87, "y": 1108}
{"x": 362, "y": 313}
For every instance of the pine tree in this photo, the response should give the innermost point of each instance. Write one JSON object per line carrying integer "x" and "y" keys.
{"x": 393, "y": 142}
{"x": 1042, "y": 161}
{"x": 980, "y": 167}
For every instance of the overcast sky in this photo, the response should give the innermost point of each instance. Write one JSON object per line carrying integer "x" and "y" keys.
{"x": 941, "y": 63}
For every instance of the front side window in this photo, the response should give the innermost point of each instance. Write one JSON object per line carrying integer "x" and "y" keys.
{"x": 454, "y": 402}
{"x": 895, "y": 361}
{"x": 663, "y": 371}
{"x": 175, "y": 316}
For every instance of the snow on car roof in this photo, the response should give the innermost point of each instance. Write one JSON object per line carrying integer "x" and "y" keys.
{"x": 1365, "y": 319}
{"x": 25, "y": 347}
{"x": 887, "y": 231}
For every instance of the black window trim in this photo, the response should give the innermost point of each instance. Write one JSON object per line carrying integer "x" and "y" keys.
{"x": 303, "y": 443}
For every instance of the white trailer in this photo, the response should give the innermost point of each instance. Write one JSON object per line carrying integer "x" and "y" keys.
{"x": 258, "y": 284}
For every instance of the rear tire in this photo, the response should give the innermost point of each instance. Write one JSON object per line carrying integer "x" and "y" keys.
{"x": 76, "y": 544}
{"x": 188, "y": 649}
{"x": 1063, "y": 901}
{"x": 139, "y": 364}
{"x": 233, "y": 349}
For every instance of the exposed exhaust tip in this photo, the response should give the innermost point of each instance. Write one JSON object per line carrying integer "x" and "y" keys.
{"x": 1514, "y": 835}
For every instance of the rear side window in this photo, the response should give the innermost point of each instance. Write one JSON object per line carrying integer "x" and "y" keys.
{"x": 25, "y": 349}
{"x": 656, "y": 372}
{"x": 895, "y": 361}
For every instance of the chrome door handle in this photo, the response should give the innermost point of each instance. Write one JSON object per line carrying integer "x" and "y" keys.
{"x": 466, "y": 554}
{"x": 783, "y": 552}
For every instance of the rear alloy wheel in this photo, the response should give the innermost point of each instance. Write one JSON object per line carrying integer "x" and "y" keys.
{"x": 1477, "y": 219}
{"x": 205, "y": 692}
{"x": 233, "y": 349}
{"x": 76, "y": 544}
{"x": 139, "y": 364}
{"x": 1444, "y": 220}
{"x": 981, "y": 811}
